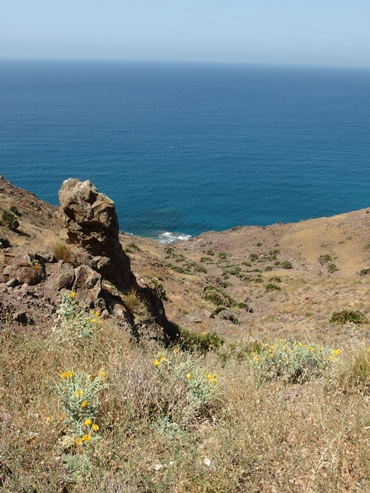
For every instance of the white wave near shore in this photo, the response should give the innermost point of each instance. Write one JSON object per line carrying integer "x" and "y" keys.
{"x": 169, "y": 237}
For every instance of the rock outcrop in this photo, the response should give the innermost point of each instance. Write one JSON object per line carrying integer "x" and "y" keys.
{"x": 91, "y": 222}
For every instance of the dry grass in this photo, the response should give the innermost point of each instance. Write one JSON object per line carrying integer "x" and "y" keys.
{"x": 136, "y": 305}
{"x": 61, "y": 250}
{"x": 249, "y": 437}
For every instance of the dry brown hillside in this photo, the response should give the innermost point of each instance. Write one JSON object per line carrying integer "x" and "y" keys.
{"x": 274, "y": 281}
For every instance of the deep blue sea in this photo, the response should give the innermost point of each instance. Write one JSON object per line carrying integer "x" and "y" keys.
{"x": 185, "y": 148}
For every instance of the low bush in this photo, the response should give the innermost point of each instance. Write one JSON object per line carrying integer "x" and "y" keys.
{"x": 332, "y": 268}
{"x": 348, "y": 316}
{"x": 285, "y": 264}
{"x": 324, "y": 259}
{"x": 9, "y": 220}
{"x": 292, "y": 361}
{"x": 192, "y": 341}
{"x": 272, "y": 287}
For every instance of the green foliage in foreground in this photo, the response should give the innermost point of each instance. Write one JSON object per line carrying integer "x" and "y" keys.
{"x": 217, "y": 418}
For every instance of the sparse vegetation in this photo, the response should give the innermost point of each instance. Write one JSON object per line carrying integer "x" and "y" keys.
{"x": 146, "y": 418}
{"x": 285, "y": 264}
{"x": 9, "y": 220}
{"x": 272, "y": 287}
{"x": 324, "y": 259}
{"x": 348, "y": 316}
{"x": 332, "y": 268}
{"x": 61, "y": 250}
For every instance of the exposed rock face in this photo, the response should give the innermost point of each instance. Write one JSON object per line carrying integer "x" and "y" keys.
{"x": 25, "y": 268}
{"x": 87, "y": 284}
{"x": 91, "y": 222}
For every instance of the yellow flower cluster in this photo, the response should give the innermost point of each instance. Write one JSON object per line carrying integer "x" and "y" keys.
{"x": 68, "y": 374}
{"x": 212, "y": 377}
{"x": 163, "y": 359}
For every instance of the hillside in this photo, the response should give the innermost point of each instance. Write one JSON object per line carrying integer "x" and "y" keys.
{"x": 110, "y": 381}
{"x": 326, "y": 258}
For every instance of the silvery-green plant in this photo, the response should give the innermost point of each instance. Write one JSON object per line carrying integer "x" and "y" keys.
{"x": 74, "y": 322}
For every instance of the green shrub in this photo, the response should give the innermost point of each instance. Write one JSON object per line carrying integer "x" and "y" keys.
{"x": 247, "y": 264}
{"x": 272, "y": 287}
{"x": 332, "y": 268}
{"x": 217, "y": 296}
{"x": 286, "y": 265}
{"x": 206, "y": 260}
{"x": 133, "y": 246}
{"x": 9, "y": 220}
{"x": 158, "y": 286}
{"x": 364, "y": 272}
{"x": 348, "y": 316}
{"x": 324, "y": 259}
{"x": 253, "y": 257}
{"x": 222, "y": 255}
{"x": 269, "y": 268}
{"x": 275, "y": 278}
{"x": 210, "y": 252}
{"x": 233, "y": 270}
{"x": 191, "y": 341}
{"x": 292, "y": 361}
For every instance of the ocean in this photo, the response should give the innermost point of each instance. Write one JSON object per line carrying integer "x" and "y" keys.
{"x": 188, "y": 148}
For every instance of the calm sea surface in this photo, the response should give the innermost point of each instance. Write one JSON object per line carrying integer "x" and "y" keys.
{"x": 190, "y": 148}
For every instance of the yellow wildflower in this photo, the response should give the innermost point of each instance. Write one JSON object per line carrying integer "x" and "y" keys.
{"x": 48, "y": 419}
{"x": 95, "y": 427}
{"x": 214, "y": 380}
{"x": 189, "y": 376}
{"x": 176, "y": 350}
{"x": 79, "y": 441}
{"x": 79, "y": 392}
{"x": 87, "y": 422}
{"x": 64, "y": 375}
{"x": 86, "y": 438}
{"x": 155, "y": 362}
{"x": 271, "y": 355}
{"x": 300, "y": 344}
{"x": 73, "y": 294}
{"x": 330, "y": 357}
{"x": 84, "y": 403}
{"x": 103, "y": 374}
{"x": 163, "y": 359}
{"x": 337, "y": 352}
{"x": 70, "y": 374}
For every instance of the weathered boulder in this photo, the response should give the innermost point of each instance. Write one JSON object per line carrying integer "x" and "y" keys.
{"x": 25, "y": 268}
{"x": 62, "y": 277}
{"x": 87, "y": 285}
{"x": 91, "y": 222}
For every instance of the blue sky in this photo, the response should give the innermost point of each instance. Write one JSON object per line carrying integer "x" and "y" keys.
{"x": 314, "y": 32}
